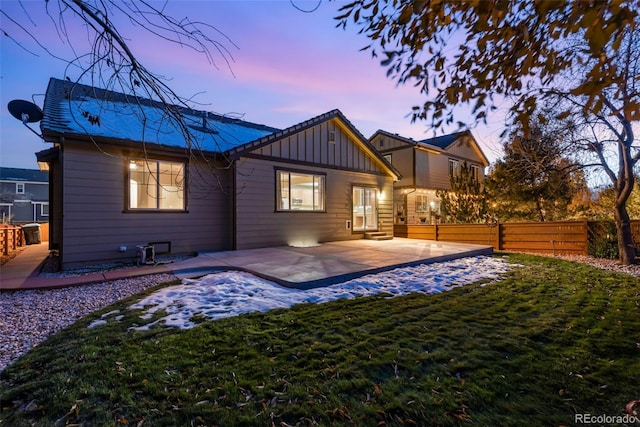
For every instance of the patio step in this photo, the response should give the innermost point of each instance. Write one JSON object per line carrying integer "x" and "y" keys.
{"x": 377, "y": 235}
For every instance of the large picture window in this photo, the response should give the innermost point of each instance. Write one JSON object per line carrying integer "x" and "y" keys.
{"x": 299, "y": 191}
{"x": 156, "y": 185}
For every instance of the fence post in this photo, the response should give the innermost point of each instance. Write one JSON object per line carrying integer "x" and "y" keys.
{"x": 498, "y": 240}
{"x": 6, "y": 241}
{"x": 436, "y": 233}
{"x": 586, "y": 237}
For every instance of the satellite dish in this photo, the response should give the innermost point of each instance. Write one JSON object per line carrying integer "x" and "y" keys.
{"x": 25, "y": 111}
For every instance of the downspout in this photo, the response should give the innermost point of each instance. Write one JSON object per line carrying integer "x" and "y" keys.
{"x": 60, "y": 203}
{"x": 413, "y": 158}
{"x": 234, "y": 215}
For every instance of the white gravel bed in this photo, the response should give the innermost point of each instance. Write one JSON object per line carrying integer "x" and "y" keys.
{"x": 28, "y": 317}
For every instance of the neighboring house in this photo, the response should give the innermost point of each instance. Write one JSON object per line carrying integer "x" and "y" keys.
{"x": 426, "y": 166}
{"x": 24, "y": 196}
{"x": 123, "y": 174}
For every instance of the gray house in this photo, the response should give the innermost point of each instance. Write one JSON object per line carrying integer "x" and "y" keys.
{"x": 24, "y": 196}
{"x": 125, "y": 172}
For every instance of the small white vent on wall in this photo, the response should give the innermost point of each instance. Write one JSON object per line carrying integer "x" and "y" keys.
{"x": 332, "y": 137}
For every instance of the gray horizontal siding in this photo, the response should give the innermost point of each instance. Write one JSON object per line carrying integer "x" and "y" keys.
{"x": 258, "y": 225}
{"x": 95, "y": 223}
{"x": 403, "y": 161}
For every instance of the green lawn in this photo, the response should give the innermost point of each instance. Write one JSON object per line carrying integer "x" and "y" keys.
{"x": 551, "y": 340}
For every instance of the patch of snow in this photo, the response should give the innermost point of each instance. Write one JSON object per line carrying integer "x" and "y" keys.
{"x": 103, "y": 319}
{"x": 227, "y": 294}
{"x": 145, "y": 123}
{"x": 95, "y": 323}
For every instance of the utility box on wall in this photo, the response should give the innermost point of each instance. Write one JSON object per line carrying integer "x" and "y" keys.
{"x": 145, "y": 255}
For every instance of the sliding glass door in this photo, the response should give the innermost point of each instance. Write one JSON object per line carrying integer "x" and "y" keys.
{"x": 365, "y": 208}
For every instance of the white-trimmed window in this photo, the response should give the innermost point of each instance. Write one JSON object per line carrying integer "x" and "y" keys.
{"x": 19, "y": 187}
{"x": 475, "y": 173}
{"x": 422, "y": 203}
{"x": 454, "y": 167}
{"x": 156, "y": 185}
{"x": 297, "y": 191}
{"x": 40, "y": 210}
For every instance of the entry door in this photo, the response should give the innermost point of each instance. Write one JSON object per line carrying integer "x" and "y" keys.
{"x": 365, "y": 208}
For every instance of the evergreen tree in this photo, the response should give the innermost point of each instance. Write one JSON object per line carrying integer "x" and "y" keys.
{"x": 466, "y": 201}
{"x": 534, "y": 181}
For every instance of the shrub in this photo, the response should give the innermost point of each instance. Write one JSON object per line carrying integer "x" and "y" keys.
{"x": 602, "y": 242}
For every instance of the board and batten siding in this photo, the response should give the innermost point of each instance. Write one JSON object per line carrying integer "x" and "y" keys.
{"x": 260, "y": 225}
{"x": 327, "y": 144}
{"x": 96, "y": 225}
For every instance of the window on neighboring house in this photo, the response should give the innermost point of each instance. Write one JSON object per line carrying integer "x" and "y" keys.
{"x": 19, "y": 187}
{"x": 475, "y": 173}
{"x": 422, "y": 203}
{"x": 454, "y": 167}
{"x": 44, "y": 209}
{"x": 299, "y": 191}
{"x": 156, "y": 185}
{"x": 5, "y": 213}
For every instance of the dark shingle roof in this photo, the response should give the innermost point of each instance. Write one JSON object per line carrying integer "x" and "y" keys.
{"x": 395, "y": 136}
{"x": 15, "y": 174}
{"x": 76, "y": 109}
{"x": 445, "y": 140}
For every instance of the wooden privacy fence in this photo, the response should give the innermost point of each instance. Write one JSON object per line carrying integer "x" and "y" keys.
{"x": 11, "y": 237}
{"x": 566, "y": 237}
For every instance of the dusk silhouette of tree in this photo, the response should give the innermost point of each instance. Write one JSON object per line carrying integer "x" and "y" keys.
{"x": 101, "y": 34}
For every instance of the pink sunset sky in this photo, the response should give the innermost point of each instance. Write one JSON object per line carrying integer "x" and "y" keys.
{"x": 287, "y": 66}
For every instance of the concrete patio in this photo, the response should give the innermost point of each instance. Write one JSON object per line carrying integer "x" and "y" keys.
{"x": 328, "y": 263}
{"x": 297, "y": 267}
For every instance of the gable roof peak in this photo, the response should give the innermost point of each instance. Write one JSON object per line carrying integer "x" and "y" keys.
{"x": 268, "y": 139}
